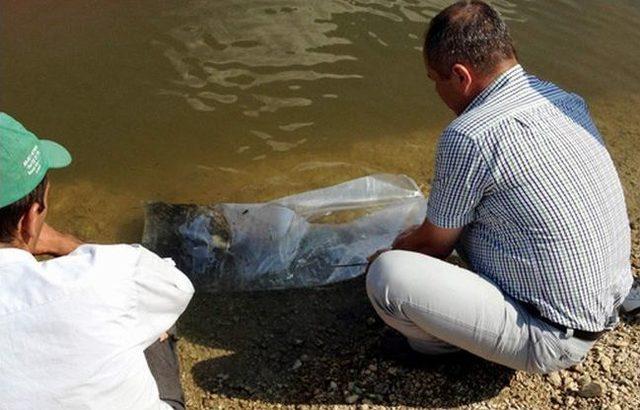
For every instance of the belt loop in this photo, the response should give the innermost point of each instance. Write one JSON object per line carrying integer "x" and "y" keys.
{"x": 569, "y": 333}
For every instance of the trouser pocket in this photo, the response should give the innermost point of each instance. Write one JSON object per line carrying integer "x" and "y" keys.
{"x": 551, "y": 350}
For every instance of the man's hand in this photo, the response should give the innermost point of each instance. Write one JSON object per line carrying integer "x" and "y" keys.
{"x": 409, "y": 240}
{"x": 428, "y": 239}
{"x": 52, "y": 242}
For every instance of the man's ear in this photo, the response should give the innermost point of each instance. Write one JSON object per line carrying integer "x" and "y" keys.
{"x": 463, "y": 76}
{"x": 28, "y": 225}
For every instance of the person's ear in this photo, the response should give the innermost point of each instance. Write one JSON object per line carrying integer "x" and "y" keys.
{"x": 463, "y": 77}
{"x": 31, "y": 222}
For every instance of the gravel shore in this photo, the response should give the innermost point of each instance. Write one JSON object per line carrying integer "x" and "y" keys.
{"x": 326, "y": 349}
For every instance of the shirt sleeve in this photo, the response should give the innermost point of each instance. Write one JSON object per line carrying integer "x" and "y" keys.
{"x": 163, "y": 293}
{"x": 461, "y": 180}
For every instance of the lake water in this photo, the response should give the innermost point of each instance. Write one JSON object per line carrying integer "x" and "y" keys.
{"x": 246, "y": 100}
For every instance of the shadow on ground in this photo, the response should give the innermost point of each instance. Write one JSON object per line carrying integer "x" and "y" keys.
{"x": 324, "y": 346}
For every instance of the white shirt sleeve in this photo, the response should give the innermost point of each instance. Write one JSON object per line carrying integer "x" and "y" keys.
{"x": 163, "y": 293}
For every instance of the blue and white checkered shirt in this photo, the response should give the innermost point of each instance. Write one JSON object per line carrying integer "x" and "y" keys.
{"x": 526, "y": 172}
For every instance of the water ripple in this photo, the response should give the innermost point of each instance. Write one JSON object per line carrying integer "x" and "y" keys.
{"x": 246, "y": 44}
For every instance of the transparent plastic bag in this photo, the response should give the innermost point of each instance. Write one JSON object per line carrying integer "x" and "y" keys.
{"x": 309, "y": 239}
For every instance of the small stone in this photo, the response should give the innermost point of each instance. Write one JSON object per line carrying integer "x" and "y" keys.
{"x": 605, "y": 363}
{"x": 296, "y": 365}
{"x": 592, "y": 389}
{"x": 333, "y": 385}
{"x": 583, "y": 381}
{"x": 352, "y": 398}
{"x": 371, "y": 321}
{"x": 621, "y": 343}
{"x": 392, "y": 371}
{"x": 554, "y": 379}
{"x": 298, "y": 342}
{"x": 373, "y": 368}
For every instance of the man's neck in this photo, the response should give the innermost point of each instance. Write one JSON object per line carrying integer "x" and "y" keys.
{"x": 14, "y": 245}
{"x": 485, "y": 81}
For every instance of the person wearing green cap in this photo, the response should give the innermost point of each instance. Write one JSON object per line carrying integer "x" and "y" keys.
{"x": 82, "y": 329}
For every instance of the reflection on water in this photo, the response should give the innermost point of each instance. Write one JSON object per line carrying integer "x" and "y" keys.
{"x": 245, "y": 100}
{"x": 233, "y": 46}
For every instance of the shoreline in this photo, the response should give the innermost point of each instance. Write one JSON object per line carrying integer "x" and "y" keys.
{"x": 325, "y": 349}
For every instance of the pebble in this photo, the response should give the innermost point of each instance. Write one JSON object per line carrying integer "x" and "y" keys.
{"x": 583, "y": 381}
{"x": 352, "y": 398}
{"x": 296, "y": 365}
{"x": 333, "y": 385}
{"x": 555, "y": 380}
{"x": 621, "y": 343}
{"x": 591, "y": 389}
{"x": 605, "y": 363}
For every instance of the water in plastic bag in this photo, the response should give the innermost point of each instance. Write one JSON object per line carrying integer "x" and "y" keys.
{"x": 308, "y": 239}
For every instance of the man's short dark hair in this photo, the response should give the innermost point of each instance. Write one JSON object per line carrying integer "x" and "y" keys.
{"x": 10, "y": 215}
{"x": 467, "y": 32}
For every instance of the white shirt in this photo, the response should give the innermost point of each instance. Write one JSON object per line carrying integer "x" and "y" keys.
{"x": 73, "y": 329}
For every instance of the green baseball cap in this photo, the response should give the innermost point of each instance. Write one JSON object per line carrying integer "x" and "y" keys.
{"x": 24, "y": 160}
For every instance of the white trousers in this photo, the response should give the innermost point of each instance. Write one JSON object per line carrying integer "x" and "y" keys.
{"x": 441, "y": 307}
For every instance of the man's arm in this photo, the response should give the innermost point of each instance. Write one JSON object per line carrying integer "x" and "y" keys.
{"x": 163, "y": 293}
{"x": 429, "y": 239}
{"x": 461, "y": 180}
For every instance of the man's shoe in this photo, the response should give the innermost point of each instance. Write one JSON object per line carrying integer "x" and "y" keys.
{"x": 631, "y": 304}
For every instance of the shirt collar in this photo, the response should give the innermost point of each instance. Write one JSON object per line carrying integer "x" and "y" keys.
{"x": 13, "y": 255}
{"x": 498, "y": 83}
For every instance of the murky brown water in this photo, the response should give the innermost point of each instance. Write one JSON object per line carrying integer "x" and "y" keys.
{"x": 245, "y": 100}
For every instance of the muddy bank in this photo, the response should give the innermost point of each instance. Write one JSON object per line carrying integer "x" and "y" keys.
{"x": 326, "y": 349}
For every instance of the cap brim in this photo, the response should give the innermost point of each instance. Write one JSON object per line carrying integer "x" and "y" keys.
{"x": 56, "y": 155}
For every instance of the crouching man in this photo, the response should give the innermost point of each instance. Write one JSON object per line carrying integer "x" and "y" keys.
{"x": 75, "y": 328}
{"x": 526, "y": 191}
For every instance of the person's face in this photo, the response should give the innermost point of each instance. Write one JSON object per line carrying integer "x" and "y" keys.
{"x": 454, "y": 90}
{"x": 447, "y": 89}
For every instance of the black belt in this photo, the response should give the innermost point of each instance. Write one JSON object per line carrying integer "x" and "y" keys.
{"x": 580, "y": 334}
